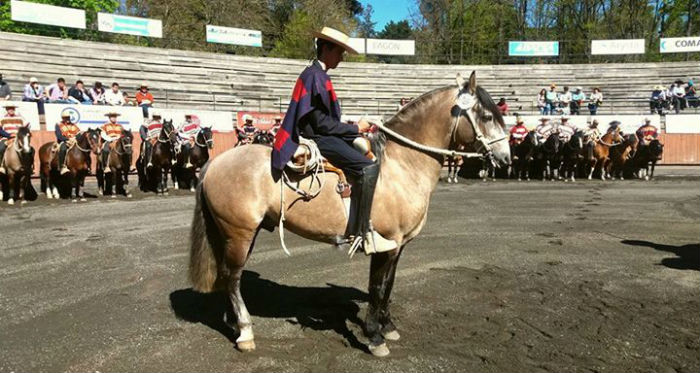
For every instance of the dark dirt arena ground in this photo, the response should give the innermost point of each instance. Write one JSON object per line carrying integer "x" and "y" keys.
{"x": 506, "y": 276}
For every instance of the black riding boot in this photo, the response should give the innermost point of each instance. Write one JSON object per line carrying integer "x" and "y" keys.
{"x": 3, "y": 146}
{"x": 105, "y": 159}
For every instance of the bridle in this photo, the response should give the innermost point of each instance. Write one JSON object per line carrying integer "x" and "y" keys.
{"x": 465, "y": 102}
{"x": 167, "y": 135}
{"x": 86, "y": 135}
{"x": 126, "y": 146}
{"x": 206, "y": 141}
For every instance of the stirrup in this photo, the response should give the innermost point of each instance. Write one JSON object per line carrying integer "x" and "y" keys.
{"x": 64, "y": 170}
{"x": 188, "y": 165}
{"x": 107, "y": 170}
{"x": 372, "y": 243}
{"x": 2, "y": 170}
{"x": 149, "y": 165}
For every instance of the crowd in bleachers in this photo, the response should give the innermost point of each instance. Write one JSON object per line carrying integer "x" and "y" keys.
{"x": 678, "y": 96}
{"x": 60, "y": 93}
{"x": 566, "y": 102}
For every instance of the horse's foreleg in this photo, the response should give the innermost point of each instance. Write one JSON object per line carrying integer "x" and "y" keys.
{"x": 236, "y": 255}
{"x": 378, "y": 325}
{"x": 74, "y": 187}
{"x": 12, "y": 181}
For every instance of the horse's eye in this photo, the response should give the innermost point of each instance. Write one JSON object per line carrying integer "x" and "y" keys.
{"x": 487, "y": 117}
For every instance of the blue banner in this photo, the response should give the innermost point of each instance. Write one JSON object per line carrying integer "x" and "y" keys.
{"x": 533, "y": 48}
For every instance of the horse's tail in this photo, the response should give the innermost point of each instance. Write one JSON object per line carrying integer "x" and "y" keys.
{"x": 203, "y": 235}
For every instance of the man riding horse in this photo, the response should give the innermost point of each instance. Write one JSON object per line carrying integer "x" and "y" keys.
{"x": 9, "y": 125}
{"x": 186, "y": 134}
{"x": 517, "y": 133}
{"x": 647, "y": 132}
{"x": 149, "y": 131}
{"x": 565, "y": 129}
{"x": 66, "y": 131}
{"x": 314, "y": 113}
{"x": 111, "y": 131}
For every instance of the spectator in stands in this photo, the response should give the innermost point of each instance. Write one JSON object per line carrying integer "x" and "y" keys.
{"x": 78, "y": 95}
{"x": 403, "y": 102}
{"x": 657, "y": 100}
{"x": 691, "y": 94}
{"x": 503, "y": 106}
{"x": 33, "y": 92}
{"x": 551, "y": 100}
{"x": 5, "y": 91}
{"x": 144, "y": 99}
{"x": 565, "y": 101}
{"x": 542, "y": 101}
{"x": 97, "y": 94}
{"x": 114, "y": 96}
{"x": 577, "y": 100}
{"x": 58, "y": 92}
{"x": 678, "y": 96}
{"x": 128, "y": 101}
{"x": 595, "y": 101}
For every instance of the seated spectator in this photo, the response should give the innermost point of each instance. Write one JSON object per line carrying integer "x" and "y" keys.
{"x": 542, "y": 101}
{"x": 128, "y": 101}
{"x": 144, "y": 99}
{"x": 33, "y": 92}
{"x": 678, "y": 96}
{"x": 551, "y": 100}
{"x": 577, "y": 100}
{"x": 114, "y": 96}
{"x": 657, "y": 101}
{"x": 595, "y": 101}
{"x": 691, "y": 95}
{"x": 502, "y": 106}
{"x": 97, "y": 94}
{"x": 58, "y": 92}
{"x": 565, "y": 101}
{"x": 78, "y": 95}
{"x": 5, "y": 91}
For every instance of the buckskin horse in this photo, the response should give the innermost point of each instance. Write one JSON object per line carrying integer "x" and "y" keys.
{"x": 238, "y": 195}
{"x": 523, "y": 154}
{"x": 620, "y": 156}
{"x": 19, "y": 165}
{"x": 77, "y": 160}
{"x": 119, "y": 159}
{"x": 572, "y": 154}
{"x": 599, "y": 155}
{"x": 155, "y": 178}
{"x": 186, "y": 178}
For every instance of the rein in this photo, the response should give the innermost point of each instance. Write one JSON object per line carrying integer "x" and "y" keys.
{"x": 206, "y": 142}
{"x": 167, "y": 134}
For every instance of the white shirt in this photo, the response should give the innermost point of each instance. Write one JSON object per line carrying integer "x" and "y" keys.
{"x": 114, "y": 99}
{"x": 678, "y": 91}
{"x": 565, "y": 97}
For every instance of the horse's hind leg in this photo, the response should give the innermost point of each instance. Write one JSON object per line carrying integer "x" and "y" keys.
{"x": 237, "y": 251}
{"x": 378, "y": 324}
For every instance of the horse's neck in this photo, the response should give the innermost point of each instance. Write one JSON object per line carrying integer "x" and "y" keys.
{"x": 429, "y": 126}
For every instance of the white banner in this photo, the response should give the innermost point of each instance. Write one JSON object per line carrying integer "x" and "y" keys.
{"x": 219, "y": 121}
{"x": 28, "y": 111}
{"x": 618, "y": 46}
{"x": 93, "y": 116}
{"x": 683, "y": 123}
{"x": 672, "y": 45}
{"x": 391, "y": 47}
{"x": 533, "y": 48}
{"x": 24, "y": 11}
{"x": 230, "y": 35}
{"x": 358, "y": 44}
{"x": 129, "y": 25}
{"x": 628, "y": 123}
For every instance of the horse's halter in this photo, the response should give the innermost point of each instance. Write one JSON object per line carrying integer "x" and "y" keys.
{"x": 125, "y": 145}
{"x": 26, "y": 146}
{"x": 167, "y": 135}
{"x": 466, "y": 102}
{"x": 207, "y": 142}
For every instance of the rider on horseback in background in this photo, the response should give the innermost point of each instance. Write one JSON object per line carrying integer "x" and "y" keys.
{"x": 544, "y": 129}
{"x": 517, "y": 134}
{"x": 111, "y": 131}
{"x": 647, "y": 132}
{"x": 149, "y": 130}
{"x": 66, "y": 131}
{"x": 566, "y": 129}
{"x": 314, "y": 113}
{"x": 248, "y": 131}
{"x": 9, "y": 124}
{"x": 186, "y": 134}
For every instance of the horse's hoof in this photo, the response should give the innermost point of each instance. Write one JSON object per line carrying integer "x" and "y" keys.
{"x": 49, "y": 195}
{"x": 129, "y": 195}
{"x": 10, "y": 201}
{"x": 23, "y": 202}
{"x": 246, "y": 346}
{"x": 192, "y": 189}
{"x": 74, "y": 200}
{"x": 392, "y": 335}
{"x": 166, "y": 193}
{"x": 82, "y": 199}
{"x": 114, "y": 196}
{"x": 101, "y": 193}
{"x": 379, "y": 351}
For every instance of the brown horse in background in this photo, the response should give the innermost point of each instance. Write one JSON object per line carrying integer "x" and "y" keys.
{"x": 621, "y": 155}
{"x": 19, "y": 166}
{"x": 77, "y": 160}
{"x": 238, "y": 195}
{"x": 599, "y": 156}
{"x": 119, "y": 159}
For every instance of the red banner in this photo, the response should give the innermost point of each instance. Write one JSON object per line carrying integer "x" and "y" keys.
{"x": 263, "y": 121}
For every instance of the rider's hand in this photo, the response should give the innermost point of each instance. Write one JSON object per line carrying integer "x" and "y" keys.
{"x": 363, "y": 125}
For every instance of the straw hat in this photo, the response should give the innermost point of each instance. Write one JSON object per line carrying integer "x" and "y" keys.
{"x": 65, "y": 114}
{"x": 519, "y": 120}
{"x": 247, "y": 117}
{"x": 156, "y": 115}
{"x": 9, "y": 106}
{"x": 335, "y": 37}
{"x": 112, "y": 114}
{"x": 544, "y": 119}
{"x": 33, "y": 80}
{"x": 564, "y": 118}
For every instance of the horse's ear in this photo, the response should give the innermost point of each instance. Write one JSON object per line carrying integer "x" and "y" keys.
{"x": 472, "y": 83}
{"x": 460, "y": 81}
